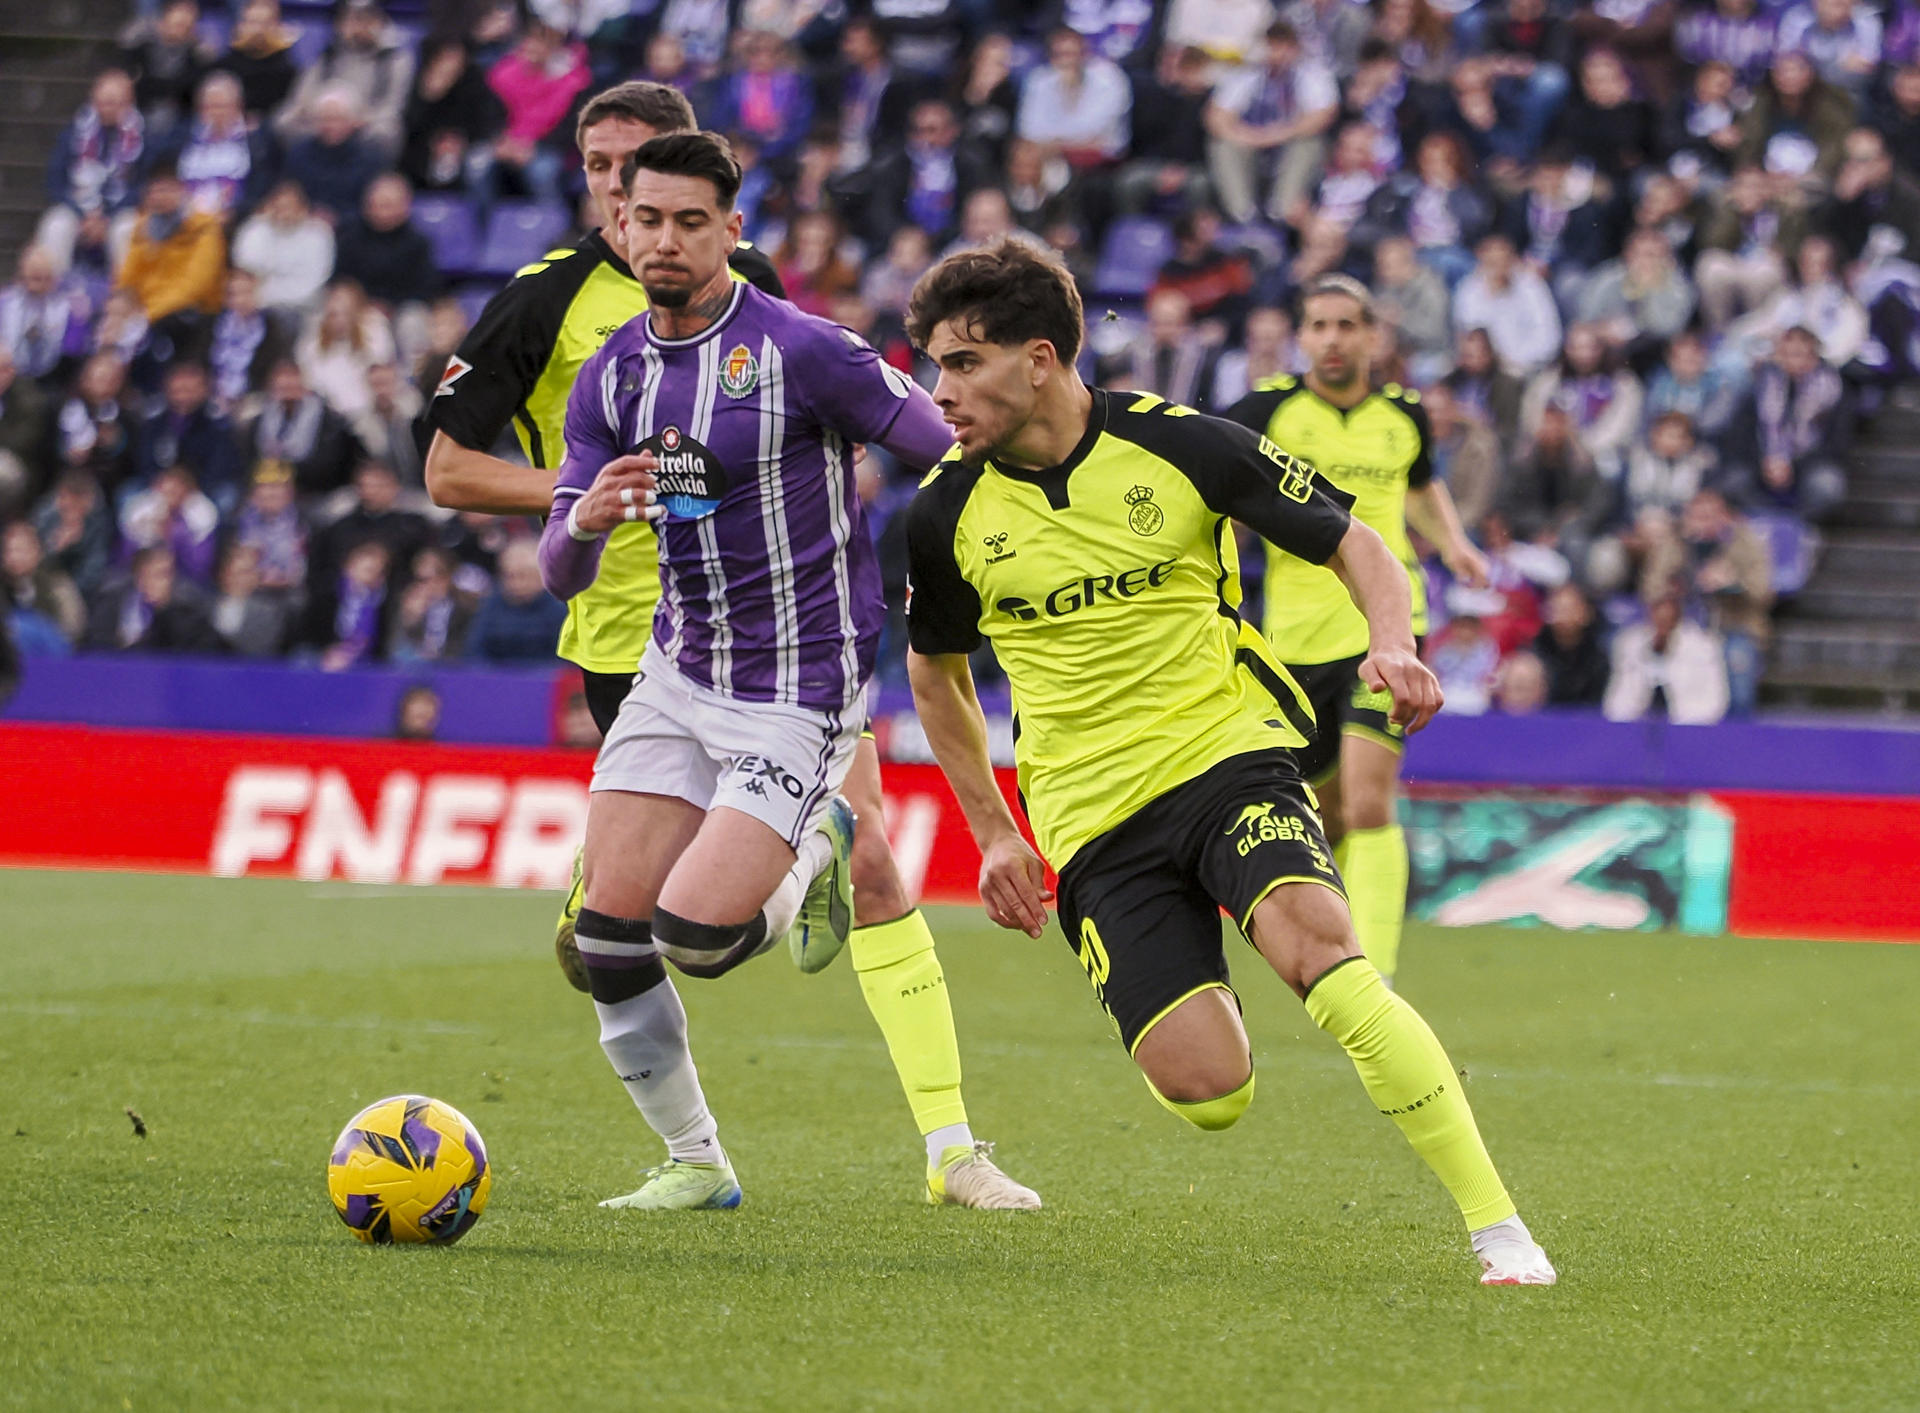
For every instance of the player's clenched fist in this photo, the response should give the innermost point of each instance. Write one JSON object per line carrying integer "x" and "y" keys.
{"x": 1013, "y": 885}
{"x": 1416, "y": 691}
{"x": 623, "y": 491}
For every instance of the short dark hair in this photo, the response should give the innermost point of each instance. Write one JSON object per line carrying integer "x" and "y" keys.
{"x": 660, "y": 106}
{"x": 1006, "y": 295}
{"x": 688, "y": 154}
{"x": 1280, "y": 32}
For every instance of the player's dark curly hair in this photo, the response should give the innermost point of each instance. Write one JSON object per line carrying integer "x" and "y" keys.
{"x": 688, "y": 154}
{"x": 1005, "y": 295}
{"x": 660, "y": 107}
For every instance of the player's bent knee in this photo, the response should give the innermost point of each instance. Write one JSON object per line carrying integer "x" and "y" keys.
{"x": 1222, "y": 1111}
{"x": 878, "y": 893}
{"x": 619, "y": 955}
{"x": 708, "y": 949}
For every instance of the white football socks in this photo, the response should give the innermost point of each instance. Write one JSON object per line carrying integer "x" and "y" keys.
{"x": 941, "y": 1139}
{"x": 814, "y": 854}
{"x": 646, "y": 1040}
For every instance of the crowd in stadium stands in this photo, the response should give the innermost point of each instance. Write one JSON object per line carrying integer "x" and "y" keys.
{"x": 1648, "y": 262}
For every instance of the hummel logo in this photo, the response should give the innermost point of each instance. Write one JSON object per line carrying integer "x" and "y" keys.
{"x": 997, "y": 548}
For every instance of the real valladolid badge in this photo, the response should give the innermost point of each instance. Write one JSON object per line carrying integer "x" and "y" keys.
{"x": 740, "y": 373}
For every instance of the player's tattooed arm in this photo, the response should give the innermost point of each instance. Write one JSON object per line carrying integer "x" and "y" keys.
{"x": 1378, "y": 585}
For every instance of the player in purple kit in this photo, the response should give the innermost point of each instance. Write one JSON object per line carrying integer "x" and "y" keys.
{"x": 729, "y": 418}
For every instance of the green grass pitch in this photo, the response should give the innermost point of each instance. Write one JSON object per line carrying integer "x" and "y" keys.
{"x": 1714, "y": 1138}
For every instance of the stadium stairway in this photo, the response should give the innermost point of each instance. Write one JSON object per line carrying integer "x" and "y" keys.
{"x": 49, "y": 50}
{"x": 1851, "y": 637}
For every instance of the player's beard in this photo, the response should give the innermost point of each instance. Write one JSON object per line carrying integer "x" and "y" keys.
{"x": 668, "y": 296}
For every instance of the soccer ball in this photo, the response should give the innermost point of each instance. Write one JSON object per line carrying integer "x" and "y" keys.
{"x": 409, "y": 1169}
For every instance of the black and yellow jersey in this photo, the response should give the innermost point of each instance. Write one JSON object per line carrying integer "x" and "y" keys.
{"x": 1110, "y": 588}
{"x": 517, "y": 364}
{"x": 1375, "y": 451}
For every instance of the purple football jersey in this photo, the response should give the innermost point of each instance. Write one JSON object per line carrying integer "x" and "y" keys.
{"x": 770, "y": 591}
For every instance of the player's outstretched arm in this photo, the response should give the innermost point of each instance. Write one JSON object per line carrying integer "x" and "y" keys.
{"x": 460, "y": 478}
{"x": 1012, "y": 878}
{"x": 576, "y": 534}
{"x": 1378, "y": 584}
{"x": 1430, "y": 510}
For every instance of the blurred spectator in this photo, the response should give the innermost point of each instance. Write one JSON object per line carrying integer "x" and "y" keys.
{"x": 1640, "y": 301}
{"x": 225, "y": 165}
{"x": 122, "y": 331}
{"x": 341, "y": 343}
{"x": 1797, "y": 123}
{"x": 177, "y": 258}
{"x": 1078, "y": 106}
{"x": 1350, "y": 179}
{"x": 1037, "y": 189}
{"x": 98, "y": 426}
{"x": 869, "y": 105}
{"x": 417, "y": 718}
{"x": 1464, "y": 655}
{"x": 1573, "y": 650}
{"x": 1417, "y": 31}
{"x": 811, "y": 265}
{"x": 1173, "y": 360}
{"x": 446, "y": 326}
{"x": 165, "y": 58}
{"x": 1640, "y": 32}
{"x": 1230, "y": 30}
{"x": 1564, "y": 222}
{"x": 270, "y": 525}
{"x": 1604, "y": 124}
{"x": 433, "y": 620}
{"x": 187, "y": 430}
{"x": 450, "y": 121}
{"x": 93, "y": 177}
{"x": 371, "y": 63}
{"x": 1530, "y": 53}
{"x": 1465, "y": 453}
{"x": 989, "y": 97}
{"x": 1741, "y": 264}
{"x": 1268, "y": 128}
{"x": 1601, "y": 399}
{"x": 150, "y": 610}
{"x": 335, "y": 163}
{"x": 1667, "y": 667}
{"x": 536, "y": 85}
{"x": 350, "y": 608}
{"x": 289, "y": 248}
{"x": 1688, "y": 384}
{"x": 1413, "y": 299}
{"x": 769, "y": 98}
{"x": 1671, "y": 209}
{"x": 1730, "y": 32}
{"x": 1785, "y": 444}
{"x": 1437, "y": 206}
{"x": 246, "y": 342}
{"x": 889, "y": 282}
{"x": 296, "y": 426}
{"x": 1511, "y": 303}
{"x": 1701, "y": 129}
{"x": 1267, "y": 351}
{"x": 374, "y": 513}
{"x": 76, "y": 531}
{"x": 391, "y": 260}
{"x": 986, "y": 219}
{"x": 43, "y": 322}
{"x": 518, "y": 621}
{"x": 1483, "y": 389}
{"x": 260, "y": 55}
{"x": 1215, "y": 280}
{"x": 1381, "y": 95}
{"x": 1124, "y": 31}
{"x": 1520, "y": 684}
{"x": 702, "y": 28}
{"x": 1870, "y": 192}
{"x": 1726, "y": 569}
{"x": 1896, "y": 116}
{"x": 385, "y": 427}
{"x": 1815, "y": 300}
{"x": 1167, "y": 158}
{"x": 1841, "y": 38}
{"x": 172, "y": 512}
{"x": 923, "y": 181}
{"x": 1553, "y": 496}
{"x": 1666, "y": 471}
{"x": 251, "y": 621}
{"x": 35, "y": 585}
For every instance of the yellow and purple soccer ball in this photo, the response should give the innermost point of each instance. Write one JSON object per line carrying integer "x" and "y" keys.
{"x": 409, "y": 1169}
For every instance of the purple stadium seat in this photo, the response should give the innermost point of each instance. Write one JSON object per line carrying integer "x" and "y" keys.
{"x": 1135, "y": 249}
{"x": 446, "y": 219}
{"x": 519, "y": 233}
{"x": 1793, "y": 548}
{"x": 473, "y": 298}
{"x": 313, "y": 33}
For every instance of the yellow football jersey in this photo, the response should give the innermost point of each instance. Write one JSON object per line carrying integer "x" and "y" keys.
{"x": 1110, "y": 589}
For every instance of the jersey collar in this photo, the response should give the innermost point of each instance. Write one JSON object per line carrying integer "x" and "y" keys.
{"x": 1052, "y": 480}
{"x": 1343, "y": 413}
{"x": 604, "y": 249}
{"x": 733, "y": 308}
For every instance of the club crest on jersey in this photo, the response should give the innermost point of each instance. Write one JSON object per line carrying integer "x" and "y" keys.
{"x": 1145, "y": 518}
{"x": 739, "y": 371}
{"x": 691, "y": 479}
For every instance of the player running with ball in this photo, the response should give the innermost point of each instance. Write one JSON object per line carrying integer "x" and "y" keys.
{"x": 714, "y": 810}
{"x": 1089, "y": 536}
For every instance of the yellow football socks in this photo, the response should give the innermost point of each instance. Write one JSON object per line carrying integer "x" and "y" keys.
{"x": 1411, "y": 1081}
{"x": 907, "y": 993}
{"x": 1373, "y": 865}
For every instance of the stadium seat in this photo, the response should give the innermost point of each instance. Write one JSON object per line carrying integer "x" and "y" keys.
{"x": 473, "y": 298}
{"x": 1793, "y": 548}
{"x": 519, "y": 233}
{"x": 1136, "y": 247}
{"x": 446, "y": 219}
{"x": 1263, "y": 243}
{"x": 312, "y": 36}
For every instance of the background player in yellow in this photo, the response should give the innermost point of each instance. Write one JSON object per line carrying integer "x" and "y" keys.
{"x": 518, "y": 365}
{"x": 1155, "y": 732}
{"x": 1374, "y": 446}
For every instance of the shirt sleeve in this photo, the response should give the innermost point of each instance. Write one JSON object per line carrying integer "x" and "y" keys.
{"x": 1421, "y": 472}
{"x": 495, "y": 368}
{"x": 568, "y": 565}
{"x": 849, "y": 387}
{"x": 943, "y": 609}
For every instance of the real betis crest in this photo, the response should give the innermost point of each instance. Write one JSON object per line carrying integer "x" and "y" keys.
{"x": 739, "y": 372}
